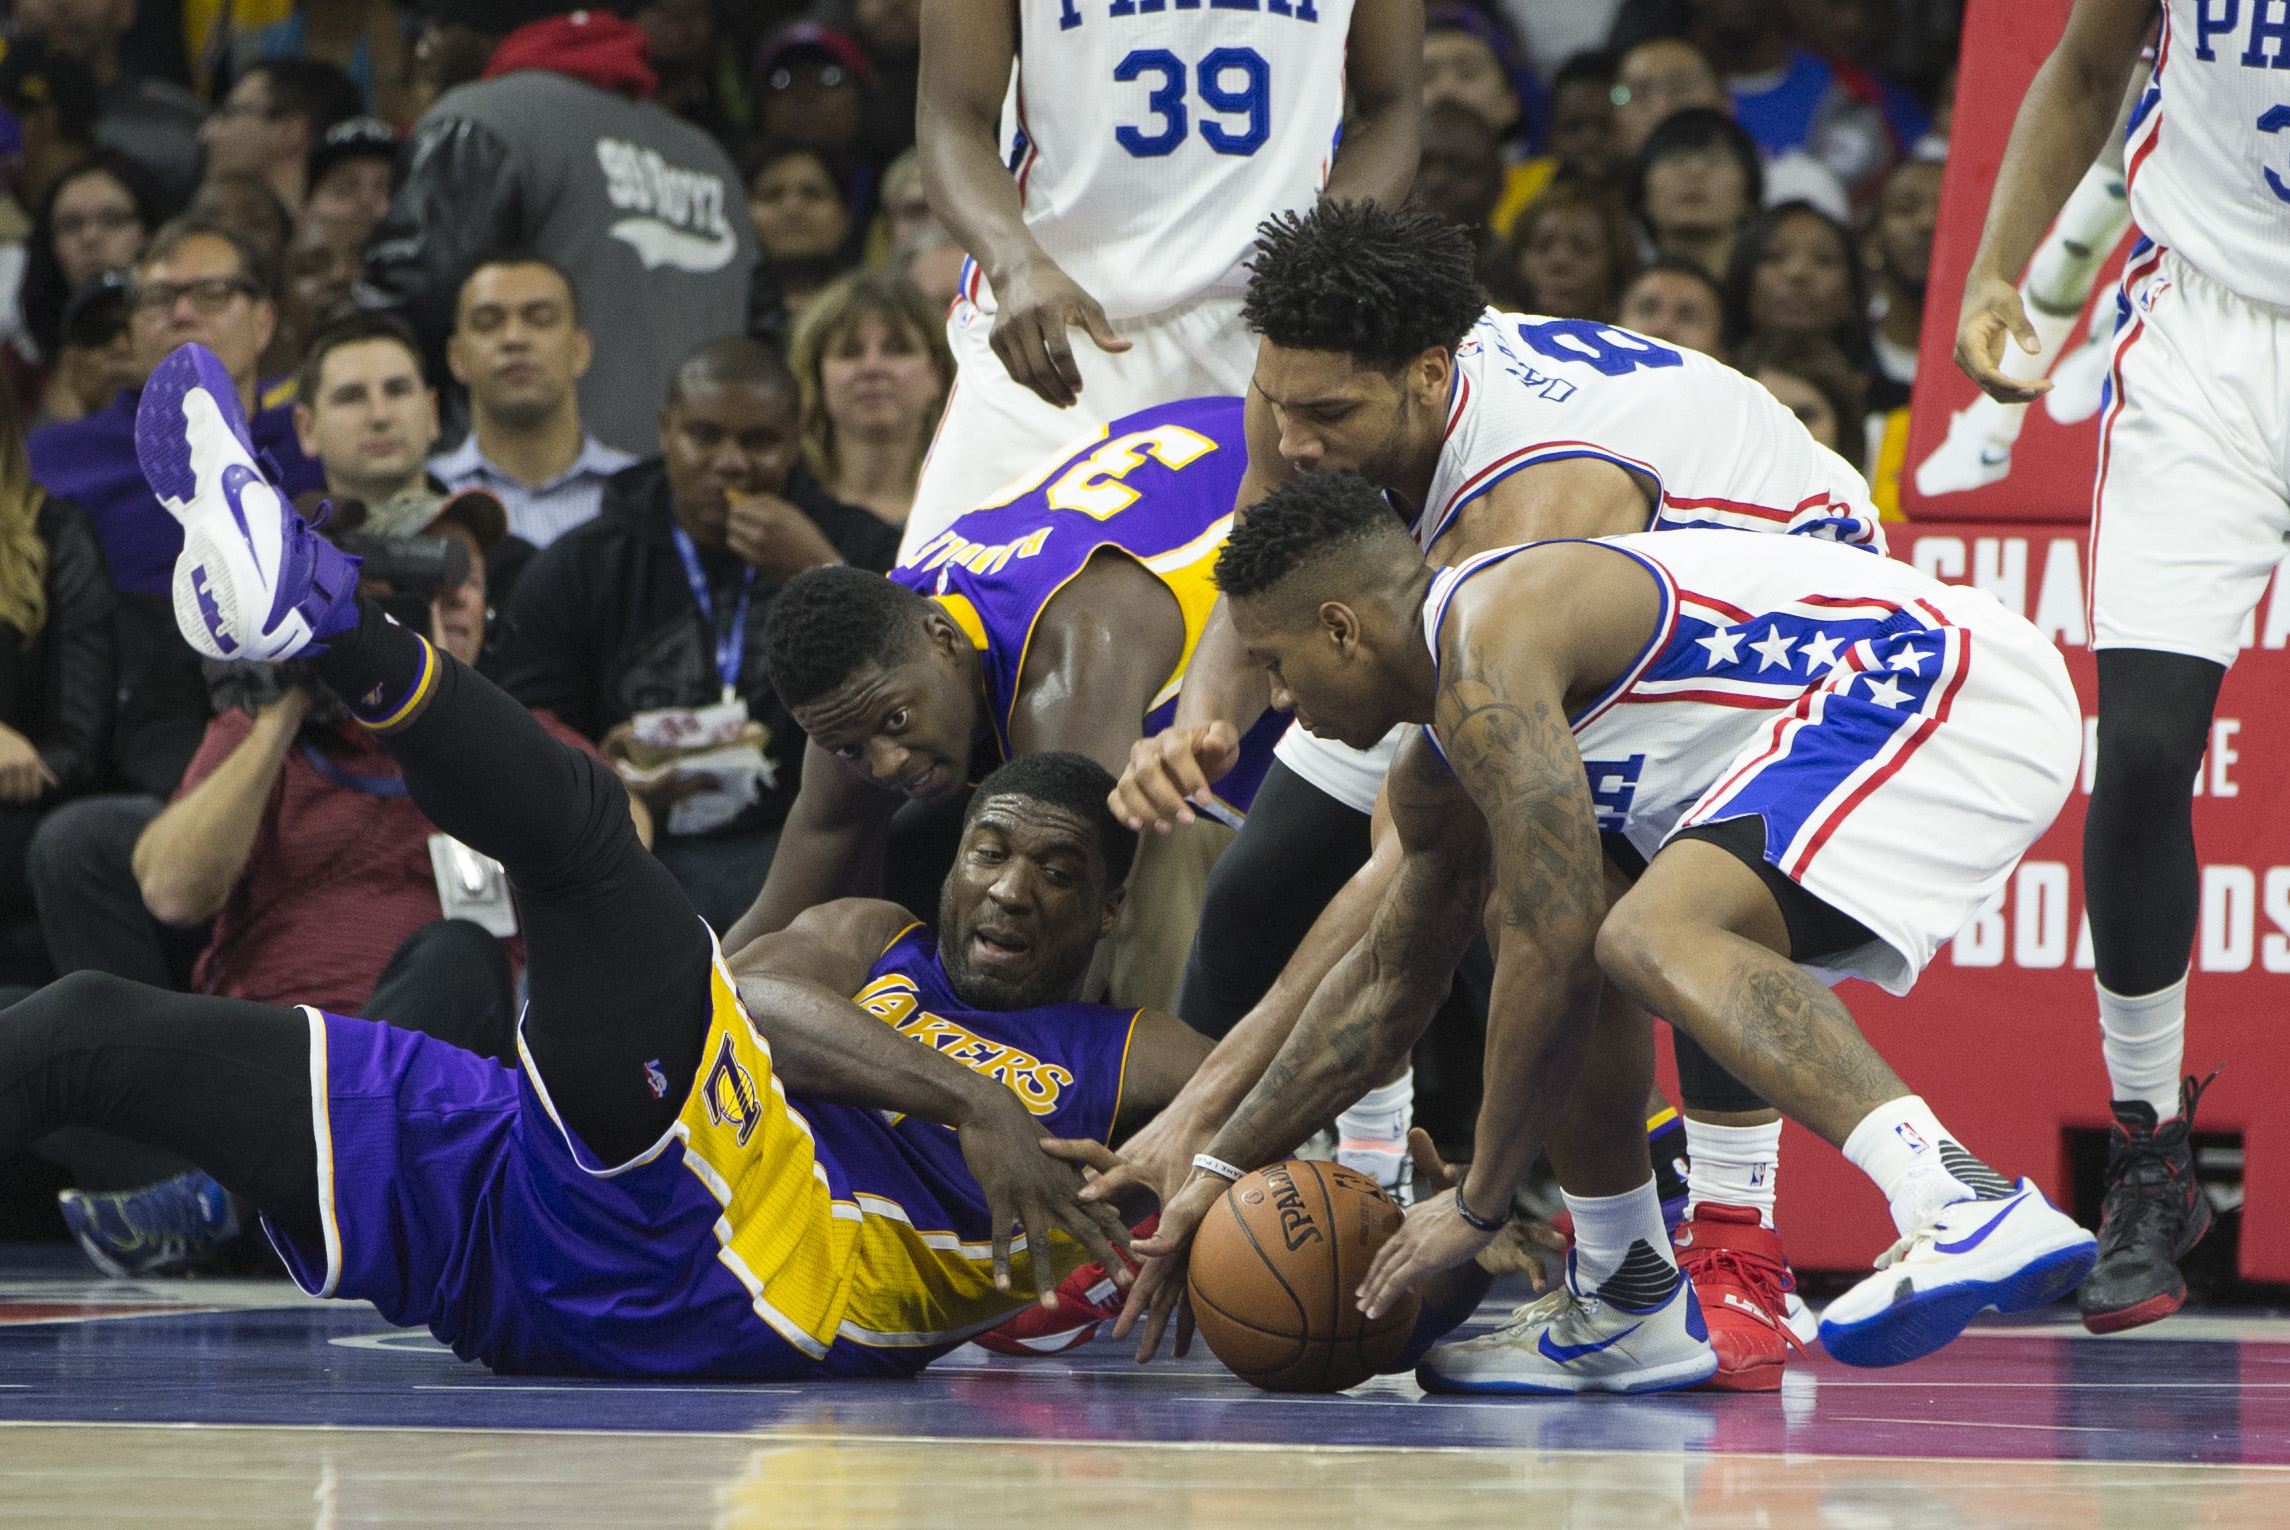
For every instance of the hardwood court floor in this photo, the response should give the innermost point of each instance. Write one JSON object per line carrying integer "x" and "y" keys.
{"x": 221, "y": 1403}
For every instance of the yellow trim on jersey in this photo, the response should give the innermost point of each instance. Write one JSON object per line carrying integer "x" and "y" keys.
{"x": 965, "y": 615}
{"x": 1190, "y": 574}
{"x": 818, "y": 1268}
{"x": 1121, "y": 1086}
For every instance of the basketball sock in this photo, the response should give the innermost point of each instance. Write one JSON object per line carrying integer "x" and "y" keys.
{"x": 386, "y": 674}
{"x": 1917, "y": 1164}
{"x": 1733, "y": 1166}
{"x": 2144, "y": 1041}
{"x": 1371, "y": 1137}
{"x": 1621, "y": 1250}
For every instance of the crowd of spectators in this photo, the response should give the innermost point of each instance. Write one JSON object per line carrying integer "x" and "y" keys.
{"x": 587, "y": 437}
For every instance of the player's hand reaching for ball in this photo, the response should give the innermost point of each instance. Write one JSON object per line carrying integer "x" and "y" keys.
{"x": 1171, "y": 772}
{"x": 1159, "y": 1293}
{"x": 1033, "y": 309}
{"x": 1027, "y": 1184}
{"x": 1433, "y": 1238}
{"x": 1512, "y": 1250}
{"x": 1992, "y": 315}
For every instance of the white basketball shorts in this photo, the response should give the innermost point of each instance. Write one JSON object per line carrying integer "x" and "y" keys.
{"x": 1351, "y": 776}
{"x": 995, "y": 432}
{"x": 2191, "y": 511}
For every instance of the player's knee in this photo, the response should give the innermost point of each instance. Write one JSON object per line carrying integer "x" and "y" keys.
{"x": 1633, "y": 947}
{"x": 2145, "y": 750}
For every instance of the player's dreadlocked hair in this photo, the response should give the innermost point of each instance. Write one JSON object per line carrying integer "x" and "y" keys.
{"x": 1071, "y": 781}
{"x": 1298, "y": 522}
{"x": 829, "y": 623}
{"x": 1383, "y": 284}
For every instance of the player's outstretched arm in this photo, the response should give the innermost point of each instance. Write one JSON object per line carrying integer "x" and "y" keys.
{"x": 1159, "y": 1159}
{"x": 2061, "y": 125}
{"x": 1099, "y": 653}
{"x": 1383, "y": 81}
{"x": 830, "y": 847}
{"x": 1360, "y": 1022}
{"x": 824, "y": 1047}
{"x": 967, "y": 48}
{"x": 1507, "y": 663}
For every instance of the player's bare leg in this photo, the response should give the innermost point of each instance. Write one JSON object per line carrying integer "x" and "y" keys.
{"x": 1703, "y": 940}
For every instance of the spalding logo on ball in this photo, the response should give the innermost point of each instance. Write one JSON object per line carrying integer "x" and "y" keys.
{"x": 1274, "y": 1268}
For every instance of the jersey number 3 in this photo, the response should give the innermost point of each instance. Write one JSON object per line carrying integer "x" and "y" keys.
{"x": 1229, "y": 81}
{"x": 1093, "y": 485}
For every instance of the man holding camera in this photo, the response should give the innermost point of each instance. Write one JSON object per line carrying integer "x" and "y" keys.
{"x": 293, "y": 832}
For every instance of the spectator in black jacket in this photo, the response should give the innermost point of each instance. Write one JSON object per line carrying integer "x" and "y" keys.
{"x": 59, "y": 671}
{"x": 629, "y": 626}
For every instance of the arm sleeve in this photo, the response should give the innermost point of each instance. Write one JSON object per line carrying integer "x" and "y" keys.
{"x": 83, "y": 650}
{"x": 546, "y": 662}
{"x": 461, "y": 197}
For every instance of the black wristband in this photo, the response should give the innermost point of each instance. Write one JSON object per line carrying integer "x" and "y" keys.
{"x": 1484, "y": 1224}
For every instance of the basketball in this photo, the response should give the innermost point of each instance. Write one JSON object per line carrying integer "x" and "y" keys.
{"x": 1274, "y": 1268}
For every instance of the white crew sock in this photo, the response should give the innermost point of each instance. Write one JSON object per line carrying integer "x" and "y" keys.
{"x": 2144, "y": 1040}
{"x": 1733, "y": 1166}
{"x": 1917, "y": 1164}
{"x": 1621, "y": 1249}
{"x": 1371, "y": 1137}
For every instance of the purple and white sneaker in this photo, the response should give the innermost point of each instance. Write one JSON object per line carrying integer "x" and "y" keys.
{"x": 253, "y": 580}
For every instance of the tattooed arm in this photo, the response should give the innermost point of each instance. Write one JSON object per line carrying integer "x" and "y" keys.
{"x": 1519, "y": 640}
{"x": 1360, "y": 1021}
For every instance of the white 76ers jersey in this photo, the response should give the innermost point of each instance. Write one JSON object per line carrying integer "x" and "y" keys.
{"x": 1721, "y": 450}
{"x": 2207, "y": 157}
{"x": 1150, "y": 137}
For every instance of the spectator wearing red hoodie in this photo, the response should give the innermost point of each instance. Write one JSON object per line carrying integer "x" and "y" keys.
{"x": 560, "y": 149}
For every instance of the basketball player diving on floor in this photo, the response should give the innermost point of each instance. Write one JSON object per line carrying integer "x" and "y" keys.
{"x": 1833, "y": 760}
{"x": 702, "y": 1168}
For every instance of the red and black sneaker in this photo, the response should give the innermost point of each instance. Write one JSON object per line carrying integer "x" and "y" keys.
{"x": 2154, "y": 1212}
{"x": 1743, "y": 1283}
{"x": 1087, "y": 1300}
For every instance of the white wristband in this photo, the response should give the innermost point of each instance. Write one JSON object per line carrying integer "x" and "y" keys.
{"x": 1218, "y": 1167}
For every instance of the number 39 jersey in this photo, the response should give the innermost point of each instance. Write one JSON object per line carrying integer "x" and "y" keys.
{"x": 1719, "y": 450}
{"x": 1150, "y": 137}
{"x": 2207, "y": 156}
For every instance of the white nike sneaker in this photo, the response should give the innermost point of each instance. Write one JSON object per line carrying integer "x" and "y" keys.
{"x": 253, "y": 580}
{"x": 2012, "y": 1255}
{"x": 2081, "y": 378}
{"x": 1973, "y": 456}
{"x": 1801, "y": 1321}
{"x": 1576, "y": 1341}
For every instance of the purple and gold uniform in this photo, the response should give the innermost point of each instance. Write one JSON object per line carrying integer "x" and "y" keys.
{"x": 761, "y": 1238}
{"x": 1157, "y": 486}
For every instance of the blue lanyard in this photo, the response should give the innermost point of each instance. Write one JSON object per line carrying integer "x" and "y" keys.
{"x": 731, "y": 646}
{"x": 372, "y": 786}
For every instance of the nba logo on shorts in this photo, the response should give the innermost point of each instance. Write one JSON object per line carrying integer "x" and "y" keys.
{"x": 1907, "y": 1134}
{"x": 731, "y": 1094}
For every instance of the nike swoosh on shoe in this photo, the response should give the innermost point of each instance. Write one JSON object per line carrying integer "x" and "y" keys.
{"x": 1566, "y": 1353}
{"x": 1966, "y": 1245}
{"x": 235, "y": 478}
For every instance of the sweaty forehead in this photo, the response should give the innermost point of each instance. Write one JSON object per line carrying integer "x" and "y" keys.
{"x": 1033, "y": 826}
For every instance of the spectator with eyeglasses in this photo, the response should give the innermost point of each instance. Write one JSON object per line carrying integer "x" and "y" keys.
{"x": 196, "y": 281}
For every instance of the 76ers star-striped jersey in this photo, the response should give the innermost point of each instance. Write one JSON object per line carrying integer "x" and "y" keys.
{"x": 2207, "y": 157}
{"x": 1756, "y": 637}
{"x": 1150, "y": 137}
{"x": 1721, "y": 451}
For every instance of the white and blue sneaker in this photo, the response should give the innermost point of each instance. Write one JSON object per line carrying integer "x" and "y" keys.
{"x": 253, "y": 580}
{"x": 2011, "y": 1254}
{"x": 1588, "y": 1341}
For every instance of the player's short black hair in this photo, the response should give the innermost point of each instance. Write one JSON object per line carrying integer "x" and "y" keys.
{"x": 1383, "y": 284}
{"x": 1066, "y": 780}
{"x": 1298, "y": 522}
{"x": 829, "y": 623}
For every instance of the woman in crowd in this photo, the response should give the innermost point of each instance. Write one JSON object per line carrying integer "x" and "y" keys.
{"x": 1678, "y": 301}
{"x": 801, "y": 219}
{"x": 872, "y": 360}
{"x": 1821, "y": 387}
{"x": 1795, "y": 273}
{"x": 58, "y": 673}
{"x": 1571, "y": 254}
{"x": 97, "y": 217}
{"x": 1697, "y": 179}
